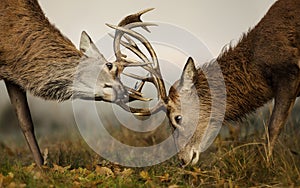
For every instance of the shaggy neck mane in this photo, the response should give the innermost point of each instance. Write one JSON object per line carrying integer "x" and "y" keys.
{"x": 243, "y": 94}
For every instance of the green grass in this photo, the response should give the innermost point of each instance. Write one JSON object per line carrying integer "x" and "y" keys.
{"x": 228, "y": 165}
{"x": 233, "y": 161}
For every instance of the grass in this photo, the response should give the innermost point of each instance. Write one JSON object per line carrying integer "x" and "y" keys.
{"x": 234, "y": 165}
{"x": 233, "y": 161}
{"x": 229, "y": 165}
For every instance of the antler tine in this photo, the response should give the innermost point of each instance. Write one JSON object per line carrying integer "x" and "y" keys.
{"x": 143, "y": 111}
{"x": 134, "y": 76}
{"x": 124, "y": 29}
{"x": 150, "y": 49}
{"x": 133, "y": 18}
{"x": 136, "y": 95}
{"x": 138, "y": 87}
{"x": 120, "y": 31}
{"x": 132, "y": 46}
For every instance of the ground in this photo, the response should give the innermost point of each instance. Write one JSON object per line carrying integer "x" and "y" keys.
{"x": 238, "y": 159}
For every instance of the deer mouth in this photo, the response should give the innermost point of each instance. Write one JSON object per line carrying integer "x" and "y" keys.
{"x": 192, "y": 158}
{"x": 112, "y": 94}
{"x": 195, "y": 157}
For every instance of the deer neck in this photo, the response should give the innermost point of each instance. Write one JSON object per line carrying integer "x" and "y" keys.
{"x": 49, "y": 75}
{"x": 245, "y": 86}
{"x": 34, "y": 53}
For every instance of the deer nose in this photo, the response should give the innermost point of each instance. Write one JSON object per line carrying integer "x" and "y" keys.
{"x": 182, "y": 163}
{"x": 195, "y": 157}
{"x": 123, "y": 95}
{"x": 121, "y": 92}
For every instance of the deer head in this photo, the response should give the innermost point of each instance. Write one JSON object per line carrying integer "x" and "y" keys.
{"x": 183, "y": 113}
{"x": 96, "y": 78}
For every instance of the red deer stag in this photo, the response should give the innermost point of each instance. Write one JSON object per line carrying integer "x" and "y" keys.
{"x": 36, "y": 57}
{"x": 264, "y": 65}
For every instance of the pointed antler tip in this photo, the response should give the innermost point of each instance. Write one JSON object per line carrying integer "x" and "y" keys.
{"x": 111, "y": 26}
{"x": 146, "y": 10}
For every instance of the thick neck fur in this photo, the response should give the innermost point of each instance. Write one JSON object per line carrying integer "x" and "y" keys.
{"x": 246, "y": 87}
{"x": 33, "y": 53}
{"x": 251, "y": 69}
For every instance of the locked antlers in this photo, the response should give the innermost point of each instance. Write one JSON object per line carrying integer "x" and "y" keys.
{"x": 124, "y": 30}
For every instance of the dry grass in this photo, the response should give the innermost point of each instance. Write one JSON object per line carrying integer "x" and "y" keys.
{"x": 235, "y": 160}
{"x": 233, "y": 164}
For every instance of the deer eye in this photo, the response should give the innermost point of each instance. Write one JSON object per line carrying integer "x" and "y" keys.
{"x": 109, "y": 66}
{"x": 178, "y": 119}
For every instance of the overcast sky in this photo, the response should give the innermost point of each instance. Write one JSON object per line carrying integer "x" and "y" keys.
{"x": 214, "y": 22}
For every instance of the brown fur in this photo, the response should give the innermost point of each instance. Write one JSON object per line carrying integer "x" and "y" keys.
{"x": 262, "y": 66}
{"x": 33, "y": 53}
{"x": 263, "y": 58}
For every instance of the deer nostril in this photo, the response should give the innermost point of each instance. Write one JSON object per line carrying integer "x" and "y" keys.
{"x": 125, "y": 95}
{"x": 182, "y": 163}
{"x": 194, "y": 156}
{"x": 108, "y": 85}
{"x": 122, "y": 95}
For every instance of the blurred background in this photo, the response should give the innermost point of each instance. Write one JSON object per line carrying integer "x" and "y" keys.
{"x": 215, "y": 23}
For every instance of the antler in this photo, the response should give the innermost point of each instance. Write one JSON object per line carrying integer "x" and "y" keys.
{"x": 124, "y": 29}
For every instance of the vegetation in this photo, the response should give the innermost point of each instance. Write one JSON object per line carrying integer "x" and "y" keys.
{"x": 237, "y": 159}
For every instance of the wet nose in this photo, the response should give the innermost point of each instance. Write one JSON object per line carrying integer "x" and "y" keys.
{"x": 121, "y": 92}
{"x": 195, "y": 157}
{"x": 182, "y": 163}
{"x": 123, "y": 95}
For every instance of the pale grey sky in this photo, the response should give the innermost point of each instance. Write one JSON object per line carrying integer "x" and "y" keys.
{"x": 215, "y": 22}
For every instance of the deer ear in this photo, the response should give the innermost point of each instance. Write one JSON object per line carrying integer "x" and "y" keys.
{"x": 188, "y": 74}
{"x": 88, "y": 47}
